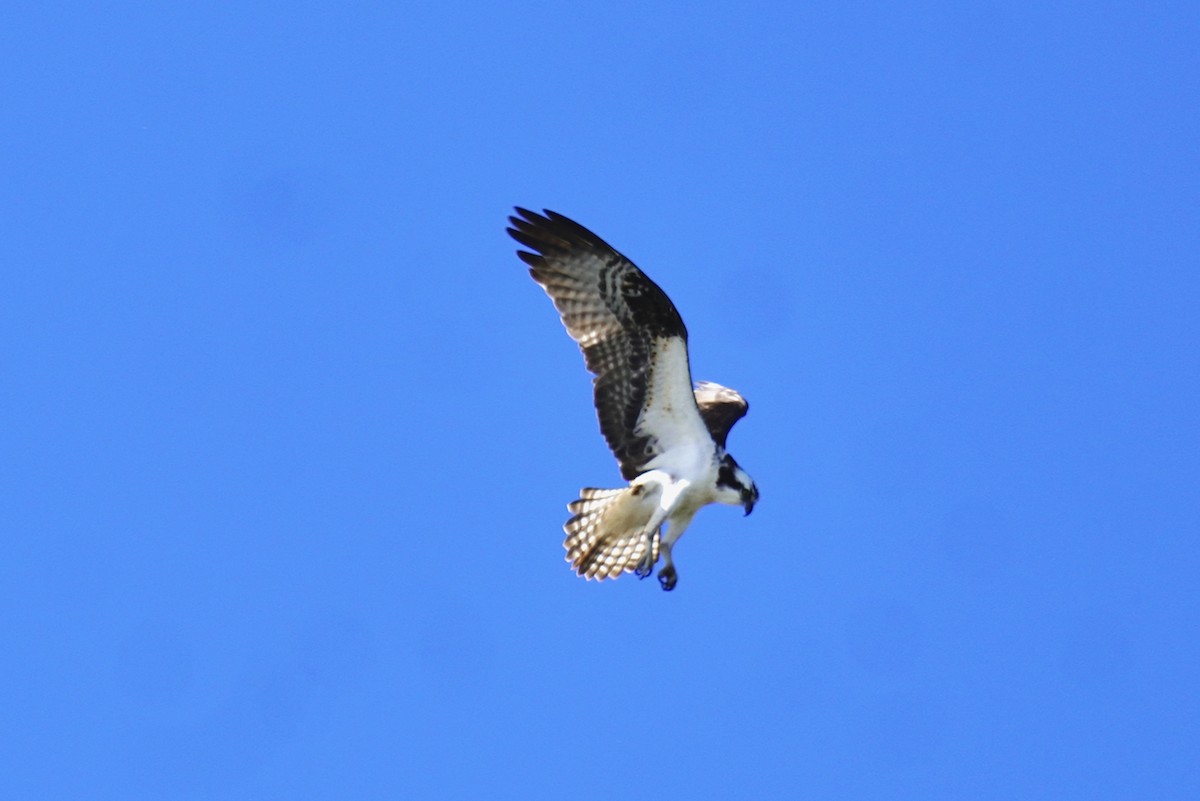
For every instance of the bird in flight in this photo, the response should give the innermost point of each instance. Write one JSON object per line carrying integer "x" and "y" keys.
{"x": 668, "y": 436}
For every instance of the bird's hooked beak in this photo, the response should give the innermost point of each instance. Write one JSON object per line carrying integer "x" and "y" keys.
{"x": 749, "y": 498}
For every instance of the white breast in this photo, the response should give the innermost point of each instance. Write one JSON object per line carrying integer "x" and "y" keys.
{"x": 670, "y": 415}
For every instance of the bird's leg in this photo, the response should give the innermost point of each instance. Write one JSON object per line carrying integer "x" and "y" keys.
{"x": 666, "y": 576}
{"x": 646, "y": 565}
{"x": 669, "y": 494}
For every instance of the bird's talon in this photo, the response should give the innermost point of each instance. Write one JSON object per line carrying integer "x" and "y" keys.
{"x": 667, "y": 578}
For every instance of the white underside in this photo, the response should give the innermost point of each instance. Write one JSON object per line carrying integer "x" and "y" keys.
{"x": 670, "y": 416}
{"x": 679, "y": 498}
{"x": 686, "y": 466}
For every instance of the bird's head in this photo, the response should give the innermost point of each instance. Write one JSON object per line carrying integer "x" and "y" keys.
{"x": 734, "y": 485}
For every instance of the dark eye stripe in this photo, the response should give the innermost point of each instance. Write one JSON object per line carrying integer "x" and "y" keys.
{"x": 725, "y": 476}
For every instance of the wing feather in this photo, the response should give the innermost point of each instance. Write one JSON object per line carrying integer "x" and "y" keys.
{"x": 625, "y": 325}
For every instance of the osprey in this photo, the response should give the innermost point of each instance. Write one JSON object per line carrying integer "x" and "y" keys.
{"x": 669, "y": 439}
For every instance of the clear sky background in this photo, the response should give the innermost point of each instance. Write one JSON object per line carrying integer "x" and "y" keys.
{"x": 288, "y": 431}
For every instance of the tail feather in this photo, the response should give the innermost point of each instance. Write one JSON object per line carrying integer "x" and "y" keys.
{"x": 600, "y": 541}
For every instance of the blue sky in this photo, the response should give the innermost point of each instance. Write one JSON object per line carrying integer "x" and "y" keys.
{"x": 289, "y": 431}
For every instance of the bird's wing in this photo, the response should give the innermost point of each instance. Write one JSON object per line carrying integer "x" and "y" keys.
{"x": 632, "y": 338}
{"x": 720, "y": 407}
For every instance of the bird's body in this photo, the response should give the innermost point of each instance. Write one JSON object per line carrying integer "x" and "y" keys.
{"x": 668, "y": 437}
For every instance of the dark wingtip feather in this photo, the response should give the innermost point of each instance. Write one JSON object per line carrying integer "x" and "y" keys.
{"x": 554, "y": 229}
{"x": 530, "y": 220}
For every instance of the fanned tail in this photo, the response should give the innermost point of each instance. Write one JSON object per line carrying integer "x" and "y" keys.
{"x": 604, "y": 539}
